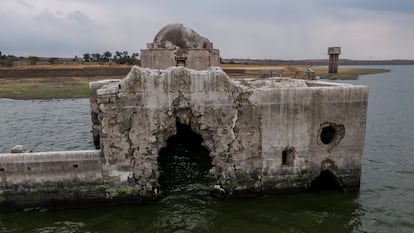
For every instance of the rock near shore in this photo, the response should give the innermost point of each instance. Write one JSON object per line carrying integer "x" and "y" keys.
{"x": 20, "y": 149}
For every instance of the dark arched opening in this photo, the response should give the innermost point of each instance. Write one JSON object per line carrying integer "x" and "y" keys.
{"x": 326, "y": 181}
{"x": 184, "y": 163}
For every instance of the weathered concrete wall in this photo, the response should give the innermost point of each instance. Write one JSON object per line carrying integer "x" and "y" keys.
{"x": 292, "y": 120}
{"x": 29, "y": 178}
{"x": 268, "y": 135}
{"x": 60, "y": 178}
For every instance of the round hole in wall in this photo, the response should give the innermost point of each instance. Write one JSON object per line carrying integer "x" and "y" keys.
{"x": 328, "y": 134}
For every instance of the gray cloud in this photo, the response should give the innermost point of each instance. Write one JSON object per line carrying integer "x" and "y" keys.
{"x": 48, "y": 16}
{"x": 406, "y": 6}
{"x": 78, "y": 16}
{"x": 25, "y": 4}
{"x": 248, "y": 29}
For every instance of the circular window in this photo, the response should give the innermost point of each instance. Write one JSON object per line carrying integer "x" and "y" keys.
{"x": 328, "y": 134}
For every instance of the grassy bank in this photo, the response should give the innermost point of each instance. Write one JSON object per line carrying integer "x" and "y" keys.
{"x": 61, "y": 81}
{"x": 345, "y": 73}
{"x": 33, "y": 85}
{"x": 46, "y": 88}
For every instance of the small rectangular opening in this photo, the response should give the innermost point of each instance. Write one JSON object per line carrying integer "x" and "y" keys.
{"x": 181, "y": 62}
{"x": 288, "y": 156}
{"x": 1, "y": 169}
{"x": 284, "y": 157}
{"x": 75, "y": 166}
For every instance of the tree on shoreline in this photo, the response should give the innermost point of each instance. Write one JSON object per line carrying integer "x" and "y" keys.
{"x": 7, "y": 60}
{"x": 86, "y": 57}
{"x": 118, "y": 57}
{"x": 124, "y": 58}
{"x": 33, "y": 60}
{"x": 107, "y": 56}
{"x": 53, "y": 60}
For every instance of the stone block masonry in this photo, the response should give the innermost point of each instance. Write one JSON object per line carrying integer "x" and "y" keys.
{"x": 267, "y": 135}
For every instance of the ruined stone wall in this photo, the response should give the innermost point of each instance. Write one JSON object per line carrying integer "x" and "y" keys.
{"x": 139, "y": 114}
{"x": 265, "y": 135}
{"x": 93, "y": 87}
{"x": 198, "y": 59}
{"x": 293, "y": 122}
{"x": 158, "y": 58}
{"x": 201, "y": 59}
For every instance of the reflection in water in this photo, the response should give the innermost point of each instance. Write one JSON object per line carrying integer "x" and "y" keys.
{"x": 185, "y": 183}
{"x": 185, "y": 213}
{"x": 321, "y": 211}
{"x": 387, "y": 193}
{"x": 184, "y": 162}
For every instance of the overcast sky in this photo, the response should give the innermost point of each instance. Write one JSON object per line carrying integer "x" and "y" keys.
{"x": 273, "y": 29}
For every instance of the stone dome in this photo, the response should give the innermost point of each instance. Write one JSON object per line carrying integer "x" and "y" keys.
{"x": 175, "y": 36}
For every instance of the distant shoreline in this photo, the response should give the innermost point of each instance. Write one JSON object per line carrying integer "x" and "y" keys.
{"x": 68, "y": 81}
{"x": 315, "y": 62}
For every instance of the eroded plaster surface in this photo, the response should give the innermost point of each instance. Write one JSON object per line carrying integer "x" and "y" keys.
{"x": 264, "y": 135}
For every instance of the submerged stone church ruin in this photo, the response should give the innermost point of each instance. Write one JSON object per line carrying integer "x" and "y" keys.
{"x": 263, "y": 135}
{"x": 176, "y": 45}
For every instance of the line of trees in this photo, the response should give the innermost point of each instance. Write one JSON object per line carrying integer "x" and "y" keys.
{"x": 9, "y": 60}
{"x": 118, "y": 57}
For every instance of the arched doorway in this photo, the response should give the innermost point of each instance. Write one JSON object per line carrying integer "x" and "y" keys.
{"x": 184, "y": 163}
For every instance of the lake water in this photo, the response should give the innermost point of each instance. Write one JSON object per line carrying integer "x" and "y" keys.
{"x": 385, "y": 202}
